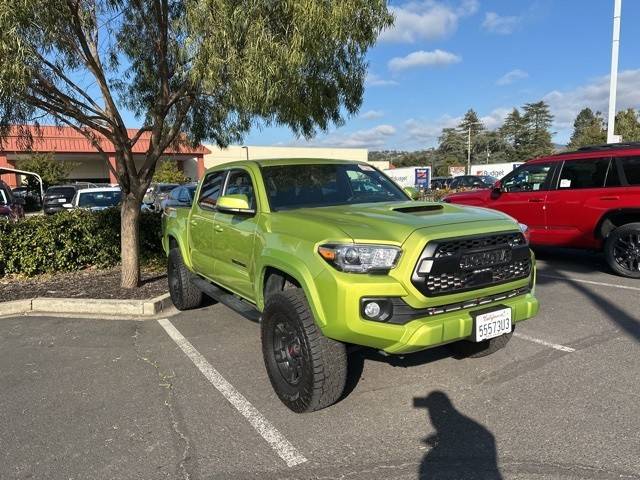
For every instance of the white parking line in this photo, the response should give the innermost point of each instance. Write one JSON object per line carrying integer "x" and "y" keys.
{"x": 557, "y": 346}
{"x": 272, "y": 436}
{"x": 590, "y": 282}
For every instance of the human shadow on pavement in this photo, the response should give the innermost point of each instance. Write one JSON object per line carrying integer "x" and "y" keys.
{"x": 461, "y": 448}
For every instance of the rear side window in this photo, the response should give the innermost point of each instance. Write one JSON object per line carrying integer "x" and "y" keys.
{"x": 577, "y": 174}
{"x": 211, "y": 188}
{"x": 631, "y": 169}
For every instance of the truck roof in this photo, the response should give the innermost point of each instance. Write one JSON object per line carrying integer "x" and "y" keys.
{"x": 285, "y": 161}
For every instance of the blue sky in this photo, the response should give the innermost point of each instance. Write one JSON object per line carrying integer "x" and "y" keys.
{"x": 445, "y": 56}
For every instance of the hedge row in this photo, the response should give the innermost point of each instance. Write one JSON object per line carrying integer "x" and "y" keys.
{"x": 70, "y": 241}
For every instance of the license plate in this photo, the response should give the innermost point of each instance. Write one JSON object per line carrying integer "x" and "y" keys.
{"x": 62, "y": 200}
{"x": 491, "y": 324}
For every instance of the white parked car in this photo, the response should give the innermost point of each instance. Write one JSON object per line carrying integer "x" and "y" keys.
{"x": 96, "y": 198}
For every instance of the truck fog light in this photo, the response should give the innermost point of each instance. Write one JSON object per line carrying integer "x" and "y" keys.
{"x": 372, "y": 310}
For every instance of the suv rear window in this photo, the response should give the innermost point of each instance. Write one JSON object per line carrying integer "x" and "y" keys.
{"x": 631, "y": 169}
{"x": 66, "y": 191}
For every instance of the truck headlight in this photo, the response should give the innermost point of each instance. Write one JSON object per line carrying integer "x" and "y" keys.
{"x": 525, "y": 231}
{"x": 360, "y": 258}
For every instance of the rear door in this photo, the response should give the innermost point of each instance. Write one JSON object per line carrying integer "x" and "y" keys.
{"x": 578, "y": 199}
{"x": 201, "y": 221}
{"x": 523, "y": 196}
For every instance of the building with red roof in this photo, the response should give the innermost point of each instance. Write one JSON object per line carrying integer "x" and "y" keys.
{"x": 67, "y": 144}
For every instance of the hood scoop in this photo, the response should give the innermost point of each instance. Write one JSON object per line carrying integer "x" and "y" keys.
{"x": 419, "y": 209}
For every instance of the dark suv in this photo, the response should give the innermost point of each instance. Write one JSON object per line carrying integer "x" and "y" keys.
{"x": 589, "y": 198}
{"x": 11, "y": 207}
{"x": 57, "y": 196}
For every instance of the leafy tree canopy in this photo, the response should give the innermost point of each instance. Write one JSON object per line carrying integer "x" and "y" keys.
{"x": 52, "y": 171}
{"x": 168, "y": 172}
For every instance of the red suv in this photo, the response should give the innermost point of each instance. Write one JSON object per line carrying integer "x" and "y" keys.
{"x": 589, "y": 198}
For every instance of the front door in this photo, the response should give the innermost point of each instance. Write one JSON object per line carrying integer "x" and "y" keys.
{"x": 524, "y": 193}
{"x": 201, "y": 224}
{"x": 234, "y": 238}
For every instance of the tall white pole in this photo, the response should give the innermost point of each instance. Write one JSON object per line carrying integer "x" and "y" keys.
{"x": 469, "y": 152}
{"x": 615, "y": 47}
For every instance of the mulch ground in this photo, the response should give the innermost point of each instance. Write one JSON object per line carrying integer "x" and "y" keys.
{"x": 89, "y": 283}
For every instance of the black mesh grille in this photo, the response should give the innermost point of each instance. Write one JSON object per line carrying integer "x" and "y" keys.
{"x": 448, "y": 274}
{"x": 452, "y": 247}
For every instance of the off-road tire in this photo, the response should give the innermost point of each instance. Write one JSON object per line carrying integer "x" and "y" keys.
{"x": 322, "y": 362}
{"x": 614, "y": 237}
{"x": 467, "y": 349}
{"x": 184, "y": 294}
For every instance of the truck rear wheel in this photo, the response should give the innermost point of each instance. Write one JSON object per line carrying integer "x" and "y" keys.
{"x": 622, "y": 250}
{"x": 184, "y": 294}
{"x": 307, "y": 370}
{"x": 469, "y": 349}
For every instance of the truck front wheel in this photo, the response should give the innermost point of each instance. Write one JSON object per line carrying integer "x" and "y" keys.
{"x": 184, "y": 294}
{"x": 307, "y": 370}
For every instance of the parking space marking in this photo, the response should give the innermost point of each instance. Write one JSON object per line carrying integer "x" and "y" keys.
{"x": 589, "y": 282}
{"x": 271, "y": 435}
{"x": 556, "y": 346}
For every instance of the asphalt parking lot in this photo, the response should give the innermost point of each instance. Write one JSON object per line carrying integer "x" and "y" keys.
{"x": 188, "y": 397}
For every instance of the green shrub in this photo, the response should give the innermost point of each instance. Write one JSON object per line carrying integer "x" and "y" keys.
{"x": 70, "y": 241}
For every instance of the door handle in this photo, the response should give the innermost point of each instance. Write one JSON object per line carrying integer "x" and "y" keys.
{"x": 613, "y": 197}
{"x": 218, "y": 228}
{"x": 536, "y": 200}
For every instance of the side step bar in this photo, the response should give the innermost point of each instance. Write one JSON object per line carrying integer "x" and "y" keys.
{"x": 230, "y": 300}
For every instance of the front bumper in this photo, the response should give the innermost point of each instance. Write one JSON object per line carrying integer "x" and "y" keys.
{"x": 344, "y": 320}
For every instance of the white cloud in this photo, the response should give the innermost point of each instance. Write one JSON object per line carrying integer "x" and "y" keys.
{"x": 372, "y": 114}
{"x": 426, "y": 20}
{"x": 512, "y": 76}
{"x": 423, "y": 59}
{"x": 374, "y": 80}
{"x": 372, "y": 138}
{"x": 502, "y": 25}
{"x": 565, "y": 105}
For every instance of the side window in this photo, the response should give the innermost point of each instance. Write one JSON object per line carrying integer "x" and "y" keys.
{"x": 578, "y": 174}
{"x": 631, "y": 169}
{"x": 211, "y": 188}
{"x": 528, "y": 178}
{"x": 239, "y": 183}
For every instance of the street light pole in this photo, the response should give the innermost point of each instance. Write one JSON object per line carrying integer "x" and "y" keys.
{"x": 469, "y": 152}
{"x": 615, "y": 47}
{"x": 247, "y": 150}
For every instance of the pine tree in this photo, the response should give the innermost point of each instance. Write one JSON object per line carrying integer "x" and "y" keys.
{"x": 627, "y": 125}
{"x": 588, "y": 129}
{"x": 537, "y": 120}
{"x": 514, "y": 134}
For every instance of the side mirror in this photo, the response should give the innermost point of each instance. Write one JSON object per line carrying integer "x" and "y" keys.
{"x": 236, "y": 204}
{"x": 496, "y": 190}
{"x": 413, "y": 193}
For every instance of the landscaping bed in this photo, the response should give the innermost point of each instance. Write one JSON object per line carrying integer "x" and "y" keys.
{"x": 89, "y": 283}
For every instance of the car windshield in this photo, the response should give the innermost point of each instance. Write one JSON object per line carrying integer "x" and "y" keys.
{"x": 489, "y": 180}
{"x": 99, "y": 199}
{"x": 298, "y": 186}
{"x": 166, "y": 188}
{"x": 64, "y": 191}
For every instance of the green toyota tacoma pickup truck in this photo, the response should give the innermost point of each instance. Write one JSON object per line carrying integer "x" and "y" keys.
{"x": 332, "y": 254}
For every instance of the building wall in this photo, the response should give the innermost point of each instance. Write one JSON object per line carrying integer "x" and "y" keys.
{"x": 235, "y": 152}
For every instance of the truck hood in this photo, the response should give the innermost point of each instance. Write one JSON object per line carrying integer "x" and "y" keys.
{"x": 391, "y": 221}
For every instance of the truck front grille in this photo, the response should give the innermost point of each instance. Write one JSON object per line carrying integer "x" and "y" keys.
{"x": 458, "y": 265}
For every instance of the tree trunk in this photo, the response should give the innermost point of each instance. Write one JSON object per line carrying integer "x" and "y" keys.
{"x": 130, "y": 241}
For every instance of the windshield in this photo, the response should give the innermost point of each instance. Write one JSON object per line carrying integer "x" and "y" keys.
{"x": 99, "y": 199}
{"x": 488, "y": 179}
{"x": 166, "y": 188}
{"x": 297, "y": 186}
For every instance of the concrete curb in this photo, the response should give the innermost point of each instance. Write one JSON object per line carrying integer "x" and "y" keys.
{"x": 92, "y": 306}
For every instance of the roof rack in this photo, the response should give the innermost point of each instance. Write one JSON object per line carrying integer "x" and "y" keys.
{"x": 604, "y": 147}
